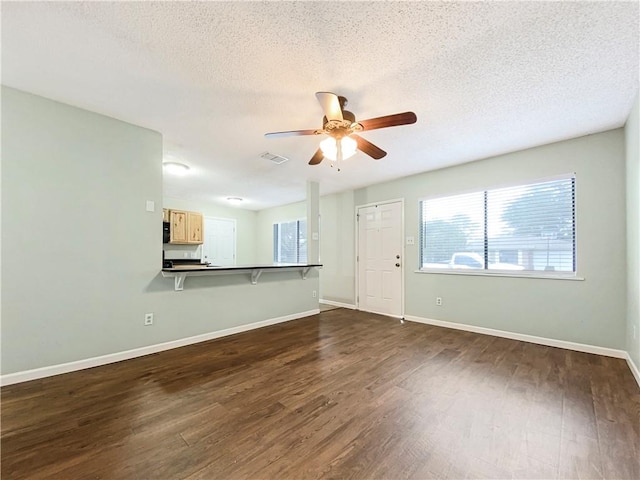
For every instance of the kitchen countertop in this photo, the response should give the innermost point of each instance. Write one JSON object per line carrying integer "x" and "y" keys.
{"x": 205, "y": 268}
{"x": 180, "y": 272}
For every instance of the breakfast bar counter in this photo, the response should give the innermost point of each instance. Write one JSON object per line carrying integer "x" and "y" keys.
{"x": 180, "y": 272}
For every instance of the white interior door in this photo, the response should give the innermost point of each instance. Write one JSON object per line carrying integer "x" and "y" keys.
{"x": 219, "y": 246}
{"x": 380, "y": 259}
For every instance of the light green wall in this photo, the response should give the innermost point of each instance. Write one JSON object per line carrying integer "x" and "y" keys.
{"x": 632, "y": 143}
{"x": 592, "y": 311}
{"x": 81, "y": 256}
{"x": 337, "y": 253}
{"x": 313, "y": 222}
{"x": 245, "y": 224}
{"x": 264, "y": 227}
{"x": 78, "y": 245}
{"x": 337, "y": 211}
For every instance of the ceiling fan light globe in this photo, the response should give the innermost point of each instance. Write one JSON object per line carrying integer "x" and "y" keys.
{"x": 349, "y": 147}
{"x": 329, "y": 148}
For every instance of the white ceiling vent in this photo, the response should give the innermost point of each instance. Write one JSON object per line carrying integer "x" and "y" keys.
{"x": 277, "y": 159}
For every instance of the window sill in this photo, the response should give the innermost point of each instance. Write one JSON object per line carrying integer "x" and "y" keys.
{"x": 502, "y": 274}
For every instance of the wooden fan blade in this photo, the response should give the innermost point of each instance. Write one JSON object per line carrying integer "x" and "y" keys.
{"x": 405, "y": 118}
{"x": 317, "y": 157}
{"x": 368, "y": 147}
{"x": 293, "y": 133}
{"x": 330, "y": 105}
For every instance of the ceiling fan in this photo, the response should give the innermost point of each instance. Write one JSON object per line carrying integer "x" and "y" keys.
{"x": 341, "y": 127}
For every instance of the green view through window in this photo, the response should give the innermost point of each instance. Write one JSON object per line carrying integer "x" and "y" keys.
{"x": 290, "y": 242}
{"x": 518, "y": 229}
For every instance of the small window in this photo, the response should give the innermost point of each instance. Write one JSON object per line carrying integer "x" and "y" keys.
{"x": 290, "y": 242}
{"x": 525, "y": 228}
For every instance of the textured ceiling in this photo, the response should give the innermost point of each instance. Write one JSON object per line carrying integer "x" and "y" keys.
{"x": 484, "y": 78}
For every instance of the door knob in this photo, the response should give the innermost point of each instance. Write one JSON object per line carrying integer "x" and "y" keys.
{"x": 397, "y": 264}
{"x": 398, "y": 257}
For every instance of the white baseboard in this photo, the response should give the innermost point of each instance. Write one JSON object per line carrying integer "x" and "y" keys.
{"x": 52, "y": 370}
{"x": 634, "y": 369}
{"x": 337, "y": 304}
{"x": 550, "y": 342}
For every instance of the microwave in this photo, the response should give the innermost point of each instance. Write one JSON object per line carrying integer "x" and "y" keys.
{"x": 166, "y": 232}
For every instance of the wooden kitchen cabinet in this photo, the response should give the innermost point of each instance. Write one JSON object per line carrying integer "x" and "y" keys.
{"x": 186, "y": 227}
{"x": 178, "y": 220}
{"x": 194, "y": 227}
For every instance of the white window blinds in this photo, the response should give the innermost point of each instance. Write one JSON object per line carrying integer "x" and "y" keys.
{"x": 525, "y": 228}
{"x": 290, "y": 242}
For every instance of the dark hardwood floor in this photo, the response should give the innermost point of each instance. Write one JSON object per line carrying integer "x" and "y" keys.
{"x": 338, "y": 395}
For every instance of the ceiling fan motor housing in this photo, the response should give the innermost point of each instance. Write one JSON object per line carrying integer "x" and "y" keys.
{"x": 341, "y": 128}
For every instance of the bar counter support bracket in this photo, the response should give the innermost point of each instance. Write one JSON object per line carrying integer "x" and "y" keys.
{"x": 179, "y": 285}
{"x": 255, "y": 275}
{"x": 305, "y": 272}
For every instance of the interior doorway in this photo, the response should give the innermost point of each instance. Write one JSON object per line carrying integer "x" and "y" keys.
{"x": 380, "y": 258}
{"x": 219, "y": 246}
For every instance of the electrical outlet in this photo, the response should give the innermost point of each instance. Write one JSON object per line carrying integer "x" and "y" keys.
{"x": 148, "y": 319}
{"x": 439, "y": 301}
{"x": 314, "y": 294}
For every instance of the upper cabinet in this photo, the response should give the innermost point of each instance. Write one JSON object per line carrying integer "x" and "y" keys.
{"x": 178, "y": 220}
{"x": 186, "y": 227}
{"x": 194, "y": 227}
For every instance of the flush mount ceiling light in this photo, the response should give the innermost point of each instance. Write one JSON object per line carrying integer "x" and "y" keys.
{"x": 234, "y": 200}
{"x": 175, "y": 168}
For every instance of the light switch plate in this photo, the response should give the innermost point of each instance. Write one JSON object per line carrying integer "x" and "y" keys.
{"x": 410, "y": 241}
{"x": 151, "y": 206}
{"x": 314, "y": 236}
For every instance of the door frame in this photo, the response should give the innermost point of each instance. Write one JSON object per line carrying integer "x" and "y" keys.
{"x": 403, "y": 252}
{"x": 235, "y": 234}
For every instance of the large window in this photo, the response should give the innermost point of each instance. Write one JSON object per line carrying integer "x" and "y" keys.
{"x": 525, "y": 228}
{"x": 290, "y": 242}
